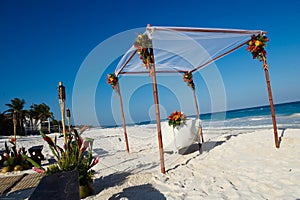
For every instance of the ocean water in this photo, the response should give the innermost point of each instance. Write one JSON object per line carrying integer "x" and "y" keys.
{"x": 287, "y": 116}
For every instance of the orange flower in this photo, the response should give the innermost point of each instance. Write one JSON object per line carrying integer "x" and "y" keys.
{"x": 176, "y": 118}
{"x": 188, "y": 78}
{"x": 12, "y": 140}
{"x": 256, "y": 46}
{"x": 112, "y": 79}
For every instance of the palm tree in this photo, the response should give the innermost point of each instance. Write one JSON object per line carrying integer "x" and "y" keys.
{"x": 4, "y": 124}
{"x": 40, "y": 112}
{"x": 30, "y": 114}
{"x": 17, "y": 106}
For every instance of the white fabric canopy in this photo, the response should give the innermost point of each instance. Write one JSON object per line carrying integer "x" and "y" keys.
{"x": 184, "y": 49}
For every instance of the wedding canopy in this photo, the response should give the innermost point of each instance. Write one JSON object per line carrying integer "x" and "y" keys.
{"x": 181, "y": 49}
{"x": 184, "y": 50}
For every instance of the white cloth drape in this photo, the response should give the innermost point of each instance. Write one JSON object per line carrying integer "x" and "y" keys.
{"x": 180, "y": 137}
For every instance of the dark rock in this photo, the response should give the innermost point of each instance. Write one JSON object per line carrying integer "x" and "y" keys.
{"x": 63, "y": 185}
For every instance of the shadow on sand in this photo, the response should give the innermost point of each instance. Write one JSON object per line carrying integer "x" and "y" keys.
{"x": 144, "y": 192}
{"x": 100, "y": 152}
{"x": 111, "y": 180}
{"x": 205, "y": 147}
{"x": 281, "y": 136}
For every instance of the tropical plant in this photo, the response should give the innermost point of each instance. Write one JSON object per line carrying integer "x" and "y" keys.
{"x": 4, "y": 124}
{"x": 29, "y": 115}
{"x": 73, "y": 156}
{"x": 39, "y": 112}
{"x": 13, "y": 159}
{"x": 17, "y": 106}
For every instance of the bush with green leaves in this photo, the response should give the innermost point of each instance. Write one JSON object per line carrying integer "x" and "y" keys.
{"x": 13, "y": 159}
{"x": 72, "y": 156}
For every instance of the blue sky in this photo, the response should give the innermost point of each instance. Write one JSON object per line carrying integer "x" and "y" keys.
{"x": 44, "y": 42}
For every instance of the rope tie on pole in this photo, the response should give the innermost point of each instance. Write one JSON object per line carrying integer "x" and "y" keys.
{"x": 265, "y": 65}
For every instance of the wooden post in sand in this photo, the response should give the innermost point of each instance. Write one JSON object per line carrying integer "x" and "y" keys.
{"x": 198, "y": 115}
{"x": 117, "y": 88}
{"x": 157, "y": 112}
{"x": 160, "y": 143}
{"x": 271, "y": 101}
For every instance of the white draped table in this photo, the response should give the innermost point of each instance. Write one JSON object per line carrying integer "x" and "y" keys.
{"x": 181, "y": 136}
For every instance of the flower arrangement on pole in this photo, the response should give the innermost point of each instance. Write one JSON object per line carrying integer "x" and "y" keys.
{"x": 177, "y": 118}
{"x": 257, "y": 45}
{"x": 112, "y": 80}
{"x": 188, "y": 78}
{"x": 143, "y": 45}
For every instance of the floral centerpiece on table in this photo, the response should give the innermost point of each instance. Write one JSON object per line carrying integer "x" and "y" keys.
{"x": 177, "y": 118}
{"x": 188, "y": 78}
{"x": 73, "y": 156}
{"x": 12, "y": 158}
{"x": 112, "y": 79}
{"x": 143, "y": 45}
{"x": 257, "y": 46}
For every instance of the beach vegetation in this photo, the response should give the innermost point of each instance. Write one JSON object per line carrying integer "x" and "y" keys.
{"x": 13, "y": 159}
{"x": 27, "y": 121}
{"x": 39, "y": 112}
{"x": 5, "y": 124}
{"x": 16, "y": 106}
{"x": 74, "y": 155}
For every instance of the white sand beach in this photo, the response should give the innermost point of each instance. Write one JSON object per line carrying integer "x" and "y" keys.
{"x": 234, "y": 164}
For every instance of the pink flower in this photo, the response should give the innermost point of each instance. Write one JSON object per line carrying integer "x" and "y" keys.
{"x": 38, "y": 170}
{"x": 49, "y": 140}
{"x": 95, "y": 161}
{"x": 85, "y": 145}
{"x": 5, "y": 155}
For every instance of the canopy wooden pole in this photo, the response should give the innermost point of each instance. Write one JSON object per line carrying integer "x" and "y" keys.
{"x": 123, "y": 118}
{"x": 154, "y": 84}
{"x": 198, "y": 115}
{"x": 271, "y": 102}
{"x": 157, "y": 112}
{"x": 160, "y": 143}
